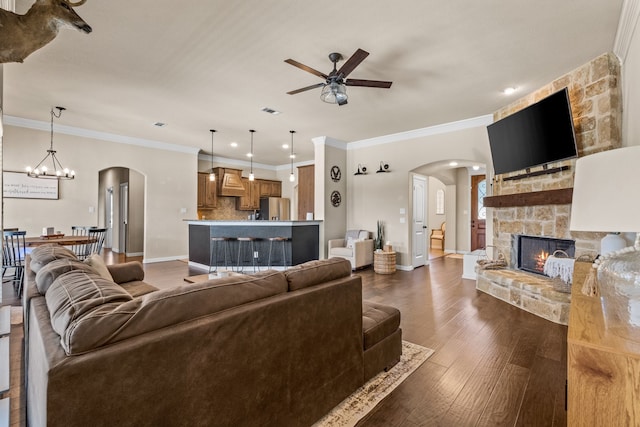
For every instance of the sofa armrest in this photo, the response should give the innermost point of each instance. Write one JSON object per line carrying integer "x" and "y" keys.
{"x": 336, "y": 243}
{"x": 126, "y": 272}
{"x": 363, "y": 251}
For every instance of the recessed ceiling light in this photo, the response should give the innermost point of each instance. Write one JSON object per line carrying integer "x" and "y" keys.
{"x": 270, "y": 110}
{"x": 453, "y": 163}
{"x": 249, "y": 154}
{"x": 475, "y": 167}
{"x": 159, "y": 124}
{"x": 234, "y": 144}
{"x": 292, "y": 156}
{"x": 285, "y": 146}
{"x": 509, "y": 90}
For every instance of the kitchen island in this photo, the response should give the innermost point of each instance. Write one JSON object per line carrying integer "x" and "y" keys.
{"x": 301, "y": 244}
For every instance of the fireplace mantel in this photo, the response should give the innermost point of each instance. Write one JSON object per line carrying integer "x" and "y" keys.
{"x": 562, "y": 196}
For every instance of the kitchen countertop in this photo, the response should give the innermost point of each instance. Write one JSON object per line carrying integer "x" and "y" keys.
{"x": 284, "y": 223}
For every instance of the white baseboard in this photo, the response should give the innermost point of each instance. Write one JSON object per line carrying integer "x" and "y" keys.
{"x": 134, "y": 254}
{"x": 171, "y": 258}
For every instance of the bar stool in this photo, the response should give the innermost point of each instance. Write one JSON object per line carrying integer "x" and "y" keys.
{"x": 284, "y": 252}
{"x": 251, "y": 240}
{"x": 215, "y": 241}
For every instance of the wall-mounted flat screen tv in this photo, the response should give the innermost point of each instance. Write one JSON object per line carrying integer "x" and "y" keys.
{"x": 539, "y": 134}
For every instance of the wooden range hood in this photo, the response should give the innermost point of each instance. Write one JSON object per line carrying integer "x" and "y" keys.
{"x": 229, "y": 182}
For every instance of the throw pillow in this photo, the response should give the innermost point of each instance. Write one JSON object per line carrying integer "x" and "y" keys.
{"x": 350, "y": 241}
{"x": 96, "y": 261}
{"x": 50, "y": 272}
{"x": 42, "y": 255}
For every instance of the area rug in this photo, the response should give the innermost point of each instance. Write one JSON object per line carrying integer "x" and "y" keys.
{"x": 16, "y": 315}
{"x": 362, "y": 401}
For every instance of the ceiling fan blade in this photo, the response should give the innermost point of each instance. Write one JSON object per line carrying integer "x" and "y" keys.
{"x": 293, "y": 92}
{"x": 352, "y": 62}
{"x": 368, "y": 83}
{"x": 306, "y": 68}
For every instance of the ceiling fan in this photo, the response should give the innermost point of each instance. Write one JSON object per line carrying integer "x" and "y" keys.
{"x": 333, "y": 89}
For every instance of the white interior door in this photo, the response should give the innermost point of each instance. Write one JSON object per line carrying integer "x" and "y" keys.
{"x": 124, "y": 216}
{"x": 108, "y": 240}
{"x": 419, "y": 225}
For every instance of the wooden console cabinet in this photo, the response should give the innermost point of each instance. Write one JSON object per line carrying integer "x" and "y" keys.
{"x": 603, "y": 369}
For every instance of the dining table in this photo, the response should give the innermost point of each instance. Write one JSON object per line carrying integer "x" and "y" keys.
{"x": 32, "y": 242}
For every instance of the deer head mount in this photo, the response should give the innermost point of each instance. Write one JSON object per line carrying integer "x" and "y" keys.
{"x": 21, "y": 35}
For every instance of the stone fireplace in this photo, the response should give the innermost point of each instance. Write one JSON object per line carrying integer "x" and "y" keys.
{"x": 597, "y": 110}
{"x": 529, "y": 253}
{"x": 538, "y": 206}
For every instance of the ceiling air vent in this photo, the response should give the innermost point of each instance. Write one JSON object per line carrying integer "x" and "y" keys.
{"x": 270, "y": 110}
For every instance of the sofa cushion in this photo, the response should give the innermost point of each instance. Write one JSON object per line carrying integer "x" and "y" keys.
{"x": 75, "y": 294}
{"x": 315, "y": 272}
{"x": 96, "y": 261}
{"x": 117, "y": 320}
{"x": 50, "y": 272}
{"x": 126, "y": 272}
{"x": 378, "y": 322}
{"x": 42, "y": 255}
{"x": 137, "y": 288}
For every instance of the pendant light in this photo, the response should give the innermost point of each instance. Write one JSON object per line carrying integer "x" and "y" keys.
{"x": 251, "y": 176}
{"x": 58, "y": 172}
{"x": 292, "y": 156}
{"x": 212, "y": 176}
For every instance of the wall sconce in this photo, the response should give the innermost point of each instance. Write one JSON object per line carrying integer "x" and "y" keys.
{"x": 384, "y": 167}
{"x": 362, "y": 170}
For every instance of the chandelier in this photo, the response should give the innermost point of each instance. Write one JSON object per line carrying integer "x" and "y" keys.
{"x": 57, "y": 171}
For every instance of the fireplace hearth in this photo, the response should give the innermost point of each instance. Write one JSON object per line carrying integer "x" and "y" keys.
{"x": 529, "y": 253}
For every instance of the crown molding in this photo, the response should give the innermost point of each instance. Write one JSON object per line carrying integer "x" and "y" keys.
{"x": 422, "y": 132}
{"x": 236, "y": 162}
{"x": 103, "y": 136}
{"x": 626, "y": 28}
{"x": 326, "y": 140}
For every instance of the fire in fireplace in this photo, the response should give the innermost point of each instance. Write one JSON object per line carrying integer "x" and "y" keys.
{"x": 529, "y": 253}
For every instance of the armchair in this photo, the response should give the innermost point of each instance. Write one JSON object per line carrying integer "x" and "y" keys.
{"x": 357, "y": 247}
{"x": 437, "y": 234}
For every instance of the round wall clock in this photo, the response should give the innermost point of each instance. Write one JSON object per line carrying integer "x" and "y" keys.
{"x": 335, "y": 173}
{"x": 336, "y": 199}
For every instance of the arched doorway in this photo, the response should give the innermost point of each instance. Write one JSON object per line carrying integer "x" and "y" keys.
{"x": 449, "y": 200}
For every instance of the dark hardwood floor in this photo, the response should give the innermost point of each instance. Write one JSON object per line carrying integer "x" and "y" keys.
{"x": 493, "y": 363}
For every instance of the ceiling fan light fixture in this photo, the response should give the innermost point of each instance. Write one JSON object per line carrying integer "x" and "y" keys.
{"x": 334, "y": 93}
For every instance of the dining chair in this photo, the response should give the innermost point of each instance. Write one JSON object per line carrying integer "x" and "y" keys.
{"x": 94, "y": 243}
{"x": 13, "y": 251}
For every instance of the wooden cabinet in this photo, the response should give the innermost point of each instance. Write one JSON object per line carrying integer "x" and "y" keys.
{"x": 250, "y": 200}
{"x": 306, "y": 190}
{"x": 270, "y": 188}
{"x": 206, "y": 192}
{"x": 603, "y": 369}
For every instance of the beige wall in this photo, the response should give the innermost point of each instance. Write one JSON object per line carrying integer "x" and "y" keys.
{"x": 171, "y": 185}
{"x": 375, "y": 196}
{"x": 631, "y": 91}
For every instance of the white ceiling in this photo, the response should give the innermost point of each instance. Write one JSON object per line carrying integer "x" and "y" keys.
{"x": 197, "y": 65}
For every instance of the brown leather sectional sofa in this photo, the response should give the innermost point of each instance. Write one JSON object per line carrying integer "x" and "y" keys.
{"x": 271, "y": 349}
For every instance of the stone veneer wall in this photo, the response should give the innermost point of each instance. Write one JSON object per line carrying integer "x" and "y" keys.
{"x": 595, "y": 95}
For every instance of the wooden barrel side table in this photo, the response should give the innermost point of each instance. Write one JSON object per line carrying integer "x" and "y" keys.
{"x": 384, "y": 262}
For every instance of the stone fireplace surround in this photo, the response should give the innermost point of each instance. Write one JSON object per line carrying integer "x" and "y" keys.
{"x": 527, "y": 205}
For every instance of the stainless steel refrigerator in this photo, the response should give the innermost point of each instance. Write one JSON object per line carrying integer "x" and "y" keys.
{"x": 275, "y": 208}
